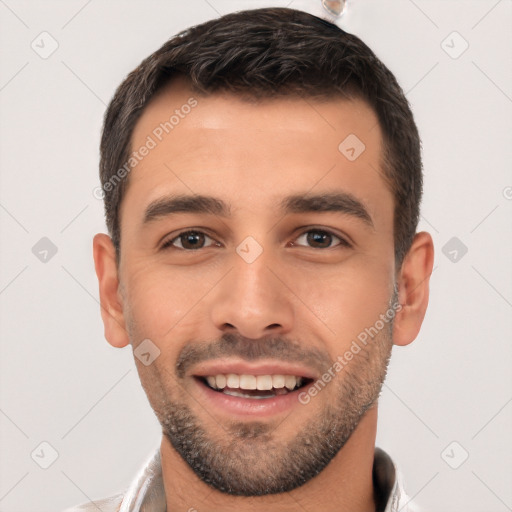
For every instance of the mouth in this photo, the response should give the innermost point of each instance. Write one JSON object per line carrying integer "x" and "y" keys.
{"x": 255, "y": 387}
{"x": 248, "y": 392}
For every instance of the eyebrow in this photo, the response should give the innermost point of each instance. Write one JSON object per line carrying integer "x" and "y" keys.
{"x": 341, "y": 202}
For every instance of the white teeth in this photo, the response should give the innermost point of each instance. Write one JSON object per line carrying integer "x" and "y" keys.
{"x": 220, "y": 381}
{"x": 248, "y": 382}
{"x": 278, "y": 381}
{"x": 264, "y": 382}
{"x": 252, "y": 382}
{"x": 232, "y": 380}
{"x": 290, "y": 381}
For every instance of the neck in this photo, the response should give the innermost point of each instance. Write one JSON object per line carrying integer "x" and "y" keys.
{"x": 345, "y": 485}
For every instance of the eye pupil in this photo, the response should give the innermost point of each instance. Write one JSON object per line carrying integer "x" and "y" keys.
{"x": 192, "y": 238}
{"x": 319, "y": 237}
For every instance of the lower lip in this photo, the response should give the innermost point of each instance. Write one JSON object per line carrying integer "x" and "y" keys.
{"x": 249, "y": 407}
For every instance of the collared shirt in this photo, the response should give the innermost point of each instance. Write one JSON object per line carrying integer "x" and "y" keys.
{"x": 146, "y": 493}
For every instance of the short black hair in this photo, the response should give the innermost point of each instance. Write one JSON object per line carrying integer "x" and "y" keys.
{"x": 262, "y": 54}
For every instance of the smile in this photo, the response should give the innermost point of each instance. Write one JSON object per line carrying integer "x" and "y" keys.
{"x": 238, "y": 389}
{"x": 254, "y": 386}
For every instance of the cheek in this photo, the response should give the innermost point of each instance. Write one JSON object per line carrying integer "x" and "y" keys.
{"x": 163, "y": 300}
{"x": 349, "y": 298}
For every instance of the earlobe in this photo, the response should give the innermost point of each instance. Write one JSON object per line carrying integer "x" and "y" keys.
{"x": 108, "y": 280}
{"x": 413, "y": 289}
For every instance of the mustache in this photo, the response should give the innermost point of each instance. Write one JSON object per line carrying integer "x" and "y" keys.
{"x": 234, "y": 345}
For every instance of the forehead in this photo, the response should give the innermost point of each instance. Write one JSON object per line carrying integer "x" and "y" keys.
{"x": 254, "y": 151}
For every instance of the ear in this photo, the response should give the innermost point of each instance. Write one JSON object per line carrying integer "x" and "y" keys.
{"x": 110, "y": 297}
{"x": 413, "y": 287}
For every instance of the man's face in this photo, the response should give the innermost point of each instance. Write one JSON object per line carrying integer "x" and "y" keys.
{"x": 268, "y": 287}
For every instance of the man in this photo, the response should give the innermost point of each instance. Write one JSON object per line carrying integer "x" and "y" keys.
{"x": 262, "y": 181}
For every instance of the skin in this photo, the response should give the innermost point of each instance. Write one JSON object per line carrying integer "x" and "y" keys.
{"x": 251, "y": 156}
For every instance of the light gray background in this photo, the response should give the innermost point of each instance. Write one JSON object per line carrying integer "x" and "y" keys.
{"x": 63, "y": 384}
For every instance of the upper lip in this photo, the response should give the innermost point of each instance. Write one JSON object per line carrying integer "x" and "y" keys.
{"x": 238, "y": 367}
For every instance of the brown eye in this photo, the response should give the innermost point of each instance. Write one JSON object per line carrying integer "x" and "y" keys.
{"x": 188, "y": 240}
{"x": 321, "y": 239}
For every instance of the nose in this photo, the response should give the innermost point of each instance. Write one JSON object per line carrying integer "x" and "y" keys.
{"x": 252, "y": 300}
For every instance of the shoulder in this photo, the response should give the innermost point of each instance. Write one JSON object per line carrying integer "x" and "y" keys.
{"x": 111, "y": 504}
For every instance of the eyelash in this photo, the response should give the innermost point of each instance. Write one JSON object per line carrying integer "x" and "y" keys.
{"x": 342, "y": 242}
